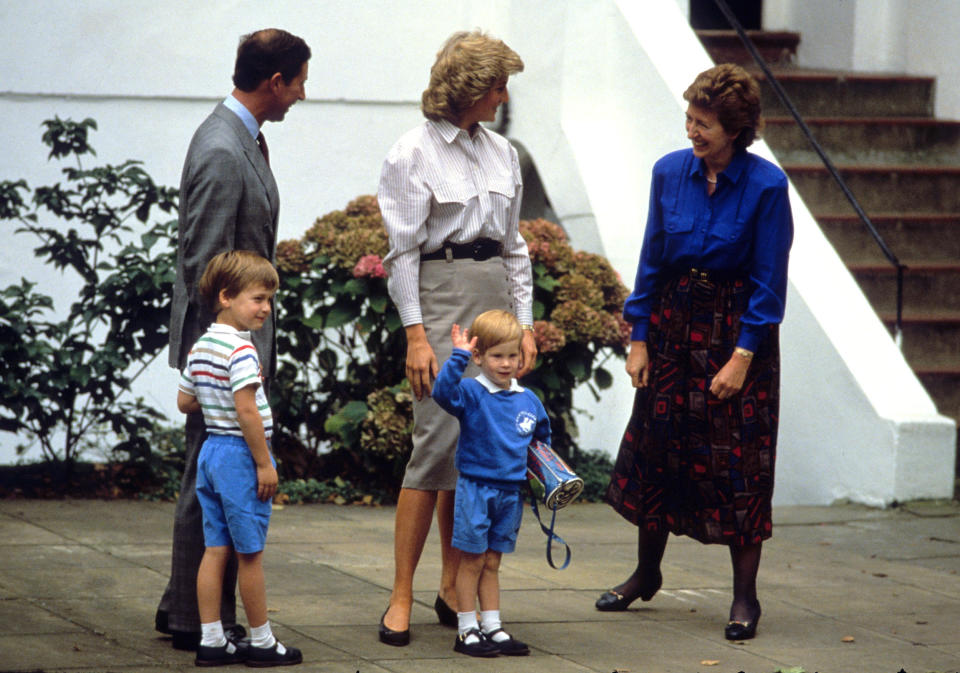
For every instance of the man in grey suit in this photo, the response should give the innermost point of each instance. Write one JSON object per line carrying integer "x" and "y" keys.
{"x": 228, "y": 201}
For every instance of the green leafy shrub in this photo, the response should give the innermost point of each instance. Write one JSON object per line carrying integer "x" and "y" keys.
{"x": 65, "y": 376}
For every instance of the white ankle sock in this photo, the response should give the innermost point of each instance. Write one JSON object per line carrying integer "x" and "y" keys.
{"x": 465, "y": 622}
{"x": 262, "y": 637}
{"x": 490, "y": 621}
{"x": 211, "y": 635}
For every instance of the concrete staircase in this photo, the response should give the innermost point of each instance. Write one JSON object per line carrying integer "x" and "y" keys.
{"x": 903, "y": 166}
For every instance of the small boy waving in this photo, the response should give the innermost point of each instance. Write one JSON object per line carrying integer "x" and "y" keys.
{"x": 236, "y": 475}
{"x": 498, "y": 419}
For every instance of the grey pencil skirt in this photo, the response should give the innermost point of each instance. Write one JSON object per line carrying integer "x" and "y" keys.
{"x": 450, "y": 292}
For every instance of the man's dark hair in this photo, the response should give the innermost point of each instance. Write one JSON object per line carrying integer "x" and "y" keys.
{"x": 265, "y": 52}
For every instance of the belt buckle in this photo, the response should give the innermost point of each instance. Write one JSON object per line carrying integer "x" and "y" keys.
{"x": 700, "y": 274}
{"x": 477, "y": 251}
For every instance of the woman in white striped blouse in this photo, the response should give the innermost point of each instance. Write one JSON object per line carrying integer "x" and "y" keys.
{"x": 450, "y": 194}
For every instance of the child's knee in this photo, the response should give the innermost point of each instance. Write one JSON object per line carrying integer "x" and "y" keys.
{"x": 491, "y": 561}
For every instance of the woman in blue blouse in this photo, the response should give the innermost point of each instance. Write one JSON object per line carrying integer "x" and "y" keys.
{"x": 697, "y": 457}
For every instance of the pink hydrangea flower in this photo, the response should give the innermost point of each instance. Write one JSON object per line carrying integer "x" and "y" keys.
{"x": 370, "y": 265}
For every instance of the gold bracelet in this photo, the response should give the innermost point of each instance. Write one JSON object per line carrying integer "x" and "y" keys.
{"x": 528, "y": 328}
{"x": 743, "y": 352}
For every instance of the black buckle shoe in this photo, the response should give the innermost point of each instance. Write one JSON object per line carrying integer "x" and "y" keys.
{"x": 262, "y": 657}
{"x": 218, "y": 656}
{"x": 482, "y": 648}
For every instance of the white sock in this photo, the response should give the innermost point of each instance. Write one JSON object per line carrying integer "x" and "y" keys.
{"x": 262, "y": 637}
{"x": 211, "y": 635}
{"x": 490, "y": 621}
{"x": 467, "y": 621}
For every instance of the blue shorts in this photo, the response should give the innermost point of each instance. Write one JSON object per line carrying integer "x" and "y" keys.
{"x": 227, "y": 491}
{"x": 485, "y": 517}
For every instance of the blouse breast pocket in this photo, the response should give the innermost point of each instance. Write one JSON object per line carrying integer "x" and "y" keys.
{"x": 677, "y": 222}
{"x": 730, "y": 229}
{"x": 453, "y": 195}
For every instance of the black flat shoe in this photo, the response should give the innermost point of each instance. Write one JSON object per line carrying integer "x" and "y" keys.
{"x": 740, "y": 630}
{"x": 511, "y": 647}
{"x": 218, "y": 656}
{"x": 446, "y": 614}
{"x": 390, "y": 637}
{"x": 614, "y": 601}
{"x": 482, "y": 648}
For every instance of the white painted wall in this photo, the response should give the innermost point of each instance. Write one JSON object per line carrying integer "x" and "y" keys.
{"x": 598, "y": 103}
{"x": 916, "y": 37}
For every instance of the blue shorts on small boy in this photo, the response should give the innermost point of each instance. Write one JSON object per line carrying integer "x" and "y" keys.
{"x": 486, "y": 516}
{"x": 227, "y": 491}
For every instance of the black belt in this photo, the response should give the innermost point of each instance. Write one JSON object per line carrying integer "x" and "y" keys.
{"x": 478, "y": 250}
{"x": 709, "y": 275}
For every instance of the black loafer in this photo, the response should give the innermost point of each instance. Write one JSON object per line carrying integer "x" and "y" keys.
{"x": 218, "y": 656}
{"x": 262, "y": 657}
{"x": 482, "y": 648}
{"x": 613, "y": 601}
{"x": 511, "y": 647}
{"x": 390, "y": 637}
{"x": 446, "y": 614}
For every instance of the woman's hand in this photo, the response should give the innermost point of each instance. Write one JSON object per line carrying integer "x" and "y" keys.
{"x": 729, "y": 380}
{"x": 638, "y": 364}
{"x": 422, "y": 366}
{"x": 528, "y": 349}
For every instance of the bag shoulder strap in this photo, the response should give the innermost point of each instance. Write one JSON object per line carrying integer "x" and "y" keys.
{"x": 551, "y": 536}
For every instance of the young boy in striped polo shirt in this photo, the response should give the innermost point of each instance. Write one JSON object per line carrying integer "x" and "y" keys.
{"x": 236, "y": 475}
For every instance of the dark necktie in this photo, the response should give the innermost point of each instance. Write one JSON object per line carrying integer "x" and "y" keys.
{"x": 263, "y": 148}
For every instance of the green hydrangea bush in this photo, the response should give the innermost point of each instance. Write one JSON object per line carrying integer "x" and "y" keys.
{"x": 342, "y": 406}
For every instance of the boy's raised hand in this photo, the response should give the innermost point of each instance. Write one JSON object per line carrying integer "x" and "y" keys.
{"x": 462, "y": 339}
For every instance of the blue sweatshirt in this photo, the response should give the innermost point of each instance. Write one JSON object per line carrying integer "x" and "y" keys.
{"x": 496, "y": 425}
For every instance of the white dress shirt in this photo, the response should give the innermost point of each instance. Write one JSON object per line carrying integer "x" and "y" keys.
{"x": 440, "y": 184}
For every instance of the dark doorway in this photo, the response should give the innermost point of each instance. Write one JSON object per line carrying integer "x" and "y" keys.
{"x": 704, "y": 14}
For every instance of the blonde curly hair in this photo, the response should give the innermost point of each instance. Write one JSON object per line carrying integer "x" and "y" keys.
{"x": 731, "y": 93}
{"x": 468, "y": 65}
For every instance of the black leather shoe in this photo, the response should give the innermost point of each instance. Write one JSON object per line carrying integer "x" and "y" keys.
{"x": 446, "y": 614}
{"x": 511, "y": 647}
{"x": 735, "y": 630}
{"x": 390, "y": 637}
{"x": 218, "y": 656}
{"x": 482, "y": 648}
{"x": 614, "y": 601}
{"x": 235, "y": 634}
{"x": 262, "y": 657}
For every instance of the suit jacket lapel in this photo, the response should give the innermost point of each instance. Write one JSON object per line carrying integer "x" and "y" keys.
{"x": 253, "y": 154}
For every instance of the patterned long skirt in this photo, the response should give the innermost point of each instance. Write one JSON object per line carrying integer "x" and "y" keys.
{"x": 690, "y": 463}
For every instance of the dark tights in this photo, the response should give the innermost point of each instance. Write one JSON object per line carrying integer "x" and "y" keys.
{"x": 646, "y": 578}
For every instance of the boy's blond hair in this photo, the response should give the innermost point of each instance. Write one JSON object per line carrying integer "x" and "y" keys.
{"x": 493, "y": 328}
{"x": 232, "y": 272}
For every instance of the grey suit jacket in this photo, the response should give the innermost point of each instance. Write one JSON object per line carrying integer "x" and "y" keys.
{"x": 228, "y": 201}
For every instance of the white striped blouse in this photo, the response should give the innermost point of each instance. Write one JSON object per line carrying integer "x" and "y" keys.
{"x": 438, "y": 184}
{"x": 223, "y": 361}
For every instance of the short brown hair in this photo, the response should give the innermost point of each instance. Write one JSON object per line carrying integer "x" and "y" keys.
{"x": 232, "y": 272}
{"x": 467, "y": 67}
{"x": 265, "y": 52}
{"x": 731, "y": 93}
{"x": 493, "y": 328}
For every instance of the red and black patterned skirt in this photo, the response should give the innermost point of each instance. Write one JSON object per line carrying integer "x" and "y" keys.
{"x": 689, "y": 463}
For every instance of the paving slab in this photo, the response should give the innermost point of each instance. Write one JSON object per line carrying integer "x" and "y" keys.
{"x": 844, "y": 588}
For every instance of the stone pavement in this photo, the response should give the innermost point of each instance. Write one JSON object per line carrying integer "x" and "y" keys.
{"x": 843, "y": 588}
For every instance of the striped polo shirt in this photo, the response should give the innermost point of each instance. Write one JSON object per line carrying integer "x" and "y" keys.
{"x": 223, "y": 361}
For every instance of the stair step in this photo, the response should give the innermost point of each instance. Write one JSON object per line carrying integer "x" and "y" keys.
{"x": 818, "y": 93}
{"x": 927, "y": 288}
{"x": 879, "y": 187}
{"x": 944, "y": 388}
{"x": 931, "y": 343}
{"x": 874, "y": 140}
{"x": 725, "y": 46}
{"x": 934, "y": 237}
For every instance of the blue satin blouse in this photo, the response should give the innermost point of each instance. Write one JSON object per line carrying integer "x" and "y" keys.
{"x": 746, "y": 225}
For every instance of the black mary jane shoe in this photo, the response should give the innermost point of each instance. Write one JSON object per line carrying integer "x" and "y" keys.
{"x": 735, "y": 630}
{"x": 482, "y": 648}
{"x": 219, "y": 656}
{"x": 390, "y": 637}
{"x": 446, "y": 614}
{"x": 511, "y": 647}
